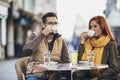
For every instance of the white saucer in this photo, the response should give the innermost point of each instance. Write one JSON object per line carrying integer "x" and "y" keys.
{"x": 83, "y": 62}
{"x": 52, "y": 63}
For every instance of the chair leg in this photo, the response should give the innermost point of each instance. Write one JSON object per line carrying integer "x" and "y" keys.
{"x": 46, "y": 75}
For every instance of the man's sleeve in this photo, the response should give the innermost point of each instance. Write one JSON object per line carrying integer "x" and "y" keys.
{"x": 33, "y": 42}
{"x": 65, "y": 54}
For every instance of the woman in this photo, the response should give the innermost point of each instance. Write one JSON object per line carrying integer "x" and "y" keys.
{"x": 105, "y": 51}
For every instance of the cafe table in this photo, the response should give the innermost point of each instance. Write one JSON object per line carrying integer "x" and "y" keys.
{"x": 69, "y": 67}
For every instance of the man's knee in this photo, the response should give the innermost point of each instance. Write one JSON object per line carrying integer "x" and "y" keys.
{"x": 33, "y": 78}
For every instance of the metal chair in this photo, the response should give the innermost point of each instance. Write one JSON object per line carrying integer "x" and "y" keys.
{"x": 20, "y": 67}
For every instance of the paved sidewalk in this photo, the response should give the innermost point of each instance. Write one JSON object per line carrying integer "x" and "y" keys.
{"x": 7, "y": 70}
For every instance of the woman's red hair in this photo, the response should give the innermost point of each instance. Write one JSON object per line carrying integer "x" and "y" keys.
{"x": 104, "y": 26}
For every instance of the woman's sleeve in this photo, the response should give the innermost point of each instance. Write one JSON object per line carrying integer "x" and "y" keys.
{"x": 112, "y": 62}
{"x": 80, "y": 51}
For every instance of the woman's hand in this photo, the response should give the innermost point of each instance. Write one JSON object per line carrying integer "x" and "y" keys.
{"x": 83, "y": 37}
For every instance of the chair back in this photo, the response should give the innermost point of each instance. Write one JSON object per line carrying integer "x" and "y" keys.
{"x": 20, "y": 67}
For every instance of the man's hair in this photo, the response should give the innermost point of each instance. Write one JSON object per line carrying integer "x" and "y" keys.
{"x": 49, "y": 14}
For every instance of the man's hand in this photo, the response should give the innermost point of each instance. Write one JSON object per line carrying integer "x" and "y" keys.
{"x": 48, "y": 29}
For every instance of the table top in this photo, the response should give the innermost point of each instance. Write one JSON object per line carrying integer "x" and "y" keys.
{"x": 68, "y": 66}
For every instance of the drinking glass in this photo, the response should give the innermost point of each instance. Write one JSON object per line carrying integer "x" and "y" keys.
{"x": 74, "y": 55}
{"x": 90, "y": 57}
{"x": 47, "y": 58}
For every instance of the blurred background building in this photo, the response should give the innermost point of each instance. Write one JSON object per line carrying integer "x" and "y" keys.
{"x": 3, "y": 16}
{"x": 18, "y": 18}
{"x": 112, "y": 13}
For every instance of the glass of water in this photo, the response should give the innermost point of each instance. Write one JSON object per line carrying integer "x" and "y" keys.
{"x": 47, "y": 58}
{"x": 90, "y": 57}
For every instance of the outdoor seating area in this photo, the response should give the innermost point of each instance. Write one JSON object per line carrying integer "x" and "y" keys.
{"x": 20, "y": 67}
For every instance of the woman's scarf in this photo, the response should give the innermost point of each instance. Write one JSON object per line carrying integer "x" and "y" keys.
{"x": 98, "y": 45}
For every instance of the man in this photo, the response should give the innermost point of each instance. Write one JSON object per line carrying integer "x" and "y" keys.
{"x": 46, "y": 40}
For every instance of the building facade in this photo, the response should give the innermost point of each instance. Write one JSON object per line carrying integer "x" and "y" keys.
{"x": 113, "y": 17}
{"x": 18, "y": 18}
{"x": 3, "y": 16}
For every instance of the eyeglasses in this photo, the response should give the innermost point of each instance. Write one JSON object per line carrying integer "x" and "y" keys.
{"x": 52, "y": 23}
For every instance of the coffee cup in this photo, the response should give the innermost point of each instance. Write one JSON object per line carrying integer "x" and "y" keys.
{"x": 86, "y": 34}
{"x": 90, "y": 33}
{"x": 55, "y": 29}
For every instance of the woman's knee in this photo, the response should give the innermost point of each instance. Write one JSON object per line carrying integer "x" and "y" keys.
{"x": 76, "y": 75}
{"x": 79, "y": 75}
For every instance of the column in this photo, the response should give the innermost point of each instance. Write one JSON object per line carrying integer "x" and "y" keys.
{"x": 10, "y": 44}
